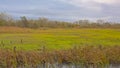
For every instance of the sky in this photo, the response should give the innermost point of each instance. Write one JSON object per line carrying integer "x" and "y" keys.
{"x": 64, "y": 10}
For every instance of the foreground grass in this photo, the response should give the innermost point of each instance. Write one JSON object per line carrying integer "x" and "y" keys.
{"x": 95, "y": 56}
{"x": 34, "y": 39}
{"x": 21, "y": 47}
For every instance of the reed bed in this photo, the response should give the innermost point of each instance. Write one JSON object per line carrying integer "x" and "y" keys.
{"x": 84, "y": 56}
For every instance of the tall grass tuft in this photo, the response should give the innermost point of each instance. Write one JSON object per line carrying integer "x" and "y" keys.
{"x": 84, "y": 56}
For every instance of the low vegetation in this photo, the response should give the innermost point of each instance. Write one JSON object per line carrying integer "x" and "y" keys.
{"x": 43, "y": 43}
{"x": 33, "y": 39}
{"x": 95, "y": 56}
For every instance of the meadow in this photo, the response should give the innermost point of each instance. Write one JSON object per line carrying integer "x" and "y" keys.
{"x": 59, "y": 48}
{"x": 54, "y": 39}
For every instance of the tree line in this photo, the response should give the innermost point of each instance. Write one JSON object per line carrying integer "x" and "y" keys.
{"x": 7, "y": 20}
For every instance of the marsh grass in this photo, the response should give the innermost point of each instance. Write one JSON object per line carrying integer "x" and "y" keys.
{"x": 86, "y": 56}
{"x": 54, "y": 39}
{"x": 55, "y": 48}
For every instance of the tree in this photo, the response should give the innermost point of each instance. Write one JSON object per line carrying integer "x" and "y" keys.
{"x": 100, "y": 21}
{"x": 24, "y": 22}
{"x": 6, "y": 20}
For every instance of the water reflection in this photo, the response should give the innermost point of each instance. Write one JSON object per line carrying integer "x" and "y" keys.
{"x": 70, "y": 66}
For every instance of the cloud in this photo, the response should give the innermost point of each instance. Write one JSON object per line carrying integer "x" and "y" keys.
{"x": 109, "y": 2}
{"x": 91, "y": 4}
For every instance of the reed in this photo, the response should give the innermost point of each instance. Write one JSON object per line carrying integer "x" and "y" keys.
{"x": 86, "y": 56}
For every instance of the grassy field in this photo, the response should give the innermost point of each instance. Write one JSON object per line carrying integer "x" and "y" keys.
{"x": 32, "y": 48}
{"x": 33, "y": 39}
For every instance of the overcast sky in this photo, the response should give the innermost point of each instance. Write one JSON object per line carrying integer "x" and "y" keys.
{"x": 66, "y": 10}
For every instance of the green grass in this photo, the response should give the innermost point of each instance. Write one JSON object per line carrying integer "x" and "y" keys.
{"x": 60, "y": 38}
